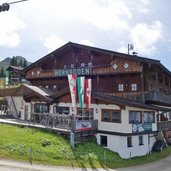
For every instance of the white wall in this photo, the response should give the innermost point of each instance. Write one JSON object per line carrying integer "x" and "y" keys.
{"x": 119, "y": 144}
{"x": 124, "y": 126}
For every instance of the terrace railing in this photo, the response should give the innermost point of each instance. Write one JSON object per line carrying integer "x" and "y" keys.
{"x": 65, "y": 121}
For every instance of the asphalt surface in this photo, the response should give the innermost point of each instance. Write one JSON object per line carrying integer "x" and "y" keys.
{"x": 9, "y": 165}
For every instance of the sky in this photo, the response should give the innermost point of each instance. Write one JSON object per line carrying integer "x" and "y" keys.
{"x": 34, "y": 28}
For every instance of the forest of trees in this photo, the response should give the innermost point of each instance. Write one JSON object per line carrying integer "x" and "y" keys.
{"x": 15, "y": 61}
{"x": 18, "y": 62}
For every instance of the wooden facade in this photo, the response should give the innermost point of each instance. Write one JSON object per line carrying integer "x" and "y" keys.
{"x": 125, "y": 76}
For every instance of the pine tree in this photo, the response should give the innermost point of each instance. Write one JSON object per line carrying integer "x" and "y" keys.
{"x": 14, "y": 61}
{"x": 2, "y": 73}
{"x": 25, "y": 64}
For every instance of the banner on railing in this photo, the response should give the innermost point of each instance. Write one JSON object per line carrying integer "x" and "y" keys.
{"x": 141, "y": 127}
{"x": 72, "y": 85}
{"x": 88, "y": 92}
{"x": 83, "y": 125}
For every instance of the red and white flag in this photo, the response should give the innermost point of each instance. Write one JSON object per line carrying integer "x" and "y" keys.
{"x": 72, "y": 85}
{"x": 88, "y": 92}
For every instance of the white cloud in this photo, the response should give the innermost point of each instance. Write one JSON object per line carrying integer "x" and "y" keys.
{"x": 53, "y": 42}
{"x": 106, "y": 17}
{"x": 10, "y": 26}
{"x": 145, "y": 37}
{"x": 143, "y": 10}
{"x": 145, "y": 2}
{"x": 86, "y": 42}
{"x": 123, "y": 49}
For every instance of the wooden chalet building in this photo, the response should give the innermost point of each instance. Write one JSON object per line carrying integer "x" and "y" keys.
{"x": 15, "y": 74}
{"x": 130, "y": 95}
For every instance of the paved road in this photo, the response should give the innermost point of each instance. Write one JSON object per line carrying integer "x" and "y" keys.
{"x": 7, "y": 165}
{"x": 161, "y": 165}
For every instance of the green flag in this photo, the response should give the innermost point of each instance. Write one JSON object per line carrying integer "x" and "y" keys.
{"x": 80, "y": 84}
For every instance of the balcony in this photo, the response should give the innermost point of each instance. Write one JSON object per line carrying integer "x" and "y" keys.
{"x": 158, "y": 97}
{"x": 42, "y": 74}
{"x": 7, "y": 91}
{"x": 65, "y": 121}
{"x": 164, "y": 126}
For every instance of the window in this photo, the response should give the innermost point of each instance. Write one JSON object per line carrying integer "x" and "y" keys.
{"x": 169, "y": 115}
{"x": 106, "y": 116}
{"x": 116, "y": 116}
{"x": 90, "y": 64}
{"x": 103, "y": 140}
{"x": 133, "y": 87}
{"x": 62, "y": 110}
{"x": 149, "y": 117}
{"x": 134, "y": 117}
{"x": 121, "y": 87}
{"x": 82, "y": 64}
{"x": 140, "y": 140}
{"x": 54, "y": 87}
{"x": 85, "y": 113}
{"x": 38, "y": 72}
{"x": 129, "y": 141}
{"x": 111, "y": 116}
{"x": 41, "y": 108}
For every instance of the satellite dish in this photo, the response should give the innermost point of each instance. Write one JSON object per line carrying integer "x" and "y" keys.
{"x": 134, "y": 53}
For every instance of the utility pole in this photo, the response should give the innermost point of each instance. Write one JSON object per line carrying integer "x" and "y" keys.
{"x": 6, "y": 6}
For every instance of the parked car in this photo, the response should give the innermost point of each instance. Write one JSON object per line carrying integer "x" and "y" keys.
{"x": 158, "y": 145}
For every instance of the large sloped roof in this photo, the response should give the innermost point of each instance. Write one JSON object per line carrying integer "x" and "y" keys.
{"x": 29, "y": 90}
{"x": 99, "y": 50}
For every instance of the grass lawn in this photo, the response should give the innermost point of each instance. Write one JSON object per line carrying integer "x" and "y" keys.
{"x": 22, "y": 143}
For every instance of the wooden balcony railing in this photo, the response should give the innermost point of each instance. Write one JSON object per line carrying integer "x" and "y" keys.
{"x": 158, "y": 97}
{"x": 134, "y": 96}
{"x": 42, "y": 74}
{"x": 7, "y": 91}
{"x": 64, "y": 121}
{"x": 164, "y": 126}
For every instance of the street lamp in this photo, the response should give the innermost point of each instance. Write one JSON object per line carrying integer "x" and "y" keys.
{"x": 6, "y": 6}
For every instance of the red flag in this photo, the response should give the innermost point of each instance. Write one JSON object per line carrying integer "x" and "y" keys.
{"x": 72, "y": 85}
{"x": 88, "y": 92}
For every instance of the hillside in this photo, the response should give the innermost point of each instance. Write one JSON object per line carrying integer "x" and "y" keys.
{"x": 23, "y": 143}
{"x": 6, "y": 62}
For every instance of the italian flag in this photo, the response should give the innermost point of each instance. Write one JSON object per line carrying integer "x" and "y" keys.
{"x": 72, "y": 85}
{"x": 88, "y": 89}
{"x": 80, "y": 84}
